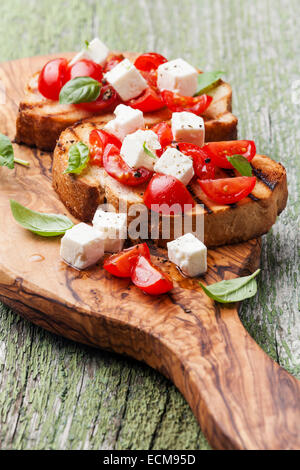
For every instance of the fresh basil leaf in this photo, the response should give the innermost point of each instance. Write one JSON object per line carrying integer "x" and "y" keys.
{"x": 148, "y": 152}
{"x": 87, "y": 43}
{"x": 46, "y": 225}
{"x": 6, "y": 152}
{"x": 79, "y": 155}
{"x": 80, "y": 90}
{"x": 207, "y": 81}
{"x": 233, "y": 290}
{"x": 241, "y": 164}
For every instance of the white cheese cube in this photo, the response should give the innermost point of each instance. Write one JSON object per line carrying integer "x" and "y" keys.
{"x": 175, "y": 163}
{"x": 96, "y": 51}
{"x": 127, "y": 120}
{"x": 81, "y": 246}
{"x": 126, "y": 80}
{"x": 112, "y": 227}
{"x": 189, "y": 253}
{"x": 178, "y": 76}
{"x": 133, "y": 152}
{"x": 188, "y": 127}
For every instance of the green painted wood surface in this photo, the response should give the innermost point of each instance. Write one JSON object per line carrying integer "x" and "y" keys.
{"x": 55, "y": 394}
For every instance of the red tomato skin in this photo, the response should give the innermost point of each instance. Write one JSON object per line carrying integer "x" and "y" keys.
{"x": 52, "y": 78}
{"x": 118, "y": 169}
{"x": 108, "y": 99}
{"x": 85, "y": 68}
{"x": 112, "y": 62}
{"x": 178, "y": 103}
{"x": 203, "y": 167}
{"x": 165, "y": 136}
{"x": 149, "y": 61}
{"x": 165, "y": 189}
{"x": 218, "y": 151}
{"x": 148, "y": 101}
{"x": 149, "y": 278}
{"x": 121, "y": 264}
{"x": 237, "y": 188}
{"x": 99, "y": 139}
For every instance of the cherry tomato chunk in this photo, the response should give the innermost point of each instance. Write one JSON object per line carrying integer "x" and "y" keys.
{"x": 203, "y": 167}
{"x": 178, "y": 103}
{"x": 116, "y": 167}
{"x": 219, "y": 151}
{"x": 228, "y": 190}
{"x": 85, "y": 68}
{"x": 165, "y": 136}
{"x": 121, "y": 264}
{"x": 52, "y": 78}
{"x": 108, "y": 99}
{"x": 99, "y": 139}
{"x": 148, "y": 101}
{"x": 149, "y": 278}
{"x": 113, "y": 61}
{"x": 166, "y": 191}
{"x": 149, "y": 61}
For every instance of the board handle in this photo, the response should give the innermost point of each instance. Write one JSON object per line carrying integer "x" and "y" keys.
{"x": 240, "y": 396}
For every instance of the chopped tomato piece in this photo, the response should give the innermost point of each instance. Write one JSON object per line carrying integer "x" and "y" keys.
{"x": 228, "y": 190}
{"x": 107, "y": 99}
{"x": 149, "y": 278}
{"x": 178, "y": 103}
{"x": 85, "y": 68}
{"x": 99, "y": 139}
{"x": 149, "y": 61}
{"x": 52, "y": 78}
{"x": 219, "y": 151}
{"x": 112, "y": 62}
{"x": 203, "y": 167}
{"x": 121, "y": 264}
{"x": 165, "y": 191}
{"x": 148, "y": 101}
{"x": 116, "y": 167}
{"x": 164, "y": 134}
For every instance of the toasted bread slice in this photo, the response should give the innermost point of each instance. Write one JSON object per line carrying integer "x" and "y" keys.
{"x": 41, "y": 121}
{"x": 223, "y": 224}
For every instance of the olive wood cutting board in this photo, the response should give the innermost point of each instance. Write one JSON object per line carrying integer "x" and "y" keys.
{"x": 241, "y": 398}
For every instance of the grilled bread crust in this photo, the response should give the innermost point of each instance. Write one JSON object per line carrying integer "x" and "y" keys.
{"x": 223, "y": 224}
{"x": 41, "y": 121}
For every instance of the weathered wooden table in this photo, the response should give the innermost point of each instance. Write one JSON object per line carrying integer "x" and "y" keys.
{"x": 55, "y": 394}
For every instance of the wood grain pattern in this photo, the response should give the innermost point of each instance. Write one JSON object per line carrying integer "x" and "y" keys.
{"x": 241, "y": 398}
{"x": 53, "y": 392}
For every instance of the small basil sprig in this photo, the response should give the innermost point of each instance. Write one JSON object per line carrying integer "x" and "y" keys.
{"x": 46, "y": 225}
{"x": 207, "y": 81}
{"x": 233, "y": 290}
{"x": 241, "y": 164}
{"x": 7, "y": 154}
{"x": 148, "y": 152}
{"x": 80, "y": 90}
{"x": 79, "y": 156}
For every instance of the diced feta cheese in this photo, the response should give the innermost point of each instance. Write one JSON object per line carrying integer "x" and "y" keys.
{"x": 96, "y": 51}
{"x": 175, "y": 163}
{"x": 126, "y": 80}
{"x": 127, "y": 120}
{"x": 132, "y": 150}
{"x": 188, "y": 127}
{"x": 112, "y": 227}
{"x": 189, "y": 253}
{"x": 178, "y": 76}
{"x": 81, "y": 246}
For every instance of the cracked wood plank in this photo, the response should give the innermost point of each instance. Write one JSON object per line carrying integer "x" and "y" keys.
{"x": 55, "y": 394}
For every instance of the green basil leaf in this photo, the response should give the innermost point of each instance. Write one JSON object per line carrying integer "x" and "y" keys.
{"x": 207, "y": 81}
{"x": 6, "y": 152}
{"x": 233, "y": 290}
{"x": 46, "y": 225}
{"x": 148, "y": 152}
{"x": 79, "y": 155}
{"x": 80, "y": 90}
{"x": 241, "y": 164}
